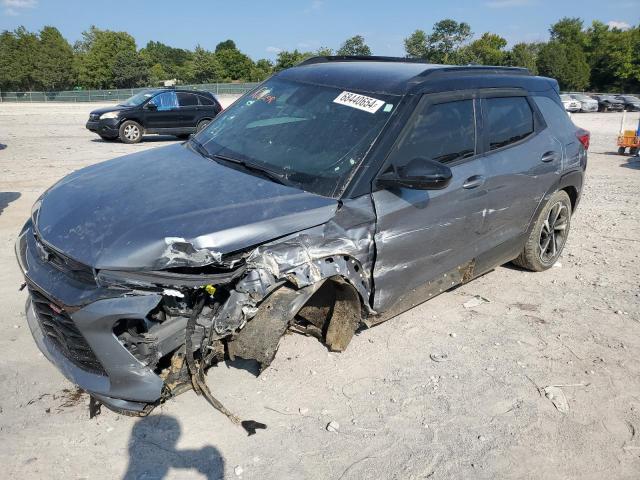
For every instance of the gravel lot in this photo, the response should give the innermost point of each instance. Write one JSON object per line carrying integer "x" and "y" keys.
{"x": 480, "y": 414}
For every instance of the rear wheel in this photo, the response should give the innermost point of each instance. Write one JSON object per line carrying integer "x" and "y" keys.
{"x": 633, "y": 150}
{"x": 621, "y": 150}
{"x": 130, "y": 132}
{"x": 183, "y": 136}
{"x": 548, "y": 235}
{"x": 202, "y": 124}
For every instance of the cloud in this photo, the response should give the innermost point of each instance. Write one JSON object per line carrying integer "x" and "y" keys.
{"x": 620, "y": 25}
{"x": 13, "y": 8}
{"x": 315, "y": 6}
{"x": 273, "y": 49}
{"x": 509, "y": 3}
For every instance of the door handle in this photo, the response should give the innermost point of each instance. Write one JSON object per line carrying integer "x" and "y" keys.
{"x": 549, "y": 157}
{"x": 473, "y": 181}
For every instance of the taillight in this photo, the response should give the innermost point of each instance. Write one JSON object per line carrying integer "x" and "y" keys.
{"x": 584, "y": 136}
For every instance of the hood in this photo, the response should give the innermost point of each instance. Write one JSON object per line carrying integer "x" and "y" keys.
{"x": 169, "y": 207}
{"x": 112, "y": 108}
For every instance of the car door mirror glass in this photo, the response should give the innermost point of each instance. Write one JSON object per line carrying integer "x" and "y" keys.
{"x": 417, "y": 174}
{"x": 151, "y": 106}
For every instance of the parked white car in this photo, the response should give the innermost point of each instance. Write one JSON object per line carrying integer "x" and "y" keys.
{"x": 570, "y": 105}
{"x": 587, "y": 103}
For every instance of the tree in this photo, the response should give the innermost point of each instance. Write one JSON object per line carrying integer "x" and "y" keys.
{"x": 524, "y": 55}
{"x": 565, "y": 63}
{"x": 98, "y": 52}
{"x": 226, "y": 45}
{"x": 129, "y": 70}
{"x": 354, "y": 46}
{"x": 235, "y": 65}
{"x": 204, "y": 67}
{"x": 487, "y": 50}
{"x": 325, "y": 52}
{"x": 54, "y": 63}
{"x": 287, "y": 59}
{"x": 416, "y": 44}
{"x": 262, "y": 69}
{"x": 568, "y": 31}
{"x": 171, "y": 60}
{"x": 442, "y": 44}
{"x": 19, "y": 54}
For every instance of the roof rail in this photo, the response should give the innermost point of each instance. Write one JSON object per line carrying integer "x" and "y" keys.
{"x": 359, "y": 58}
{"x": 474, "y": 69}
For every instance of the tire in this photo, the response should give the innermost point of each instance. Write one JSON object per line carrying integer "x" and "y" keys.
{"x": 202, "y": 124}
{"x": 541, "y": 250}
{"x": 107, "y": 139}
{"x": 183, "y": 136}
{"x": 621, "y": 150}
{"x": 130, "y": 132}
{"x": 633, "y": 151}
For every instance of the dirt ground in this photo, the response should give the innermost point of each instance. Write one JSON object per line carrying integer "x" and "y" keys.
{"x": 482, "y": 413}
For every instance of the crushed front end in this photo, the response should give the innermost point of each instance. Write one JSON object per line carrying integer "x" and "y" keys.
{"x": 133, "y": 339}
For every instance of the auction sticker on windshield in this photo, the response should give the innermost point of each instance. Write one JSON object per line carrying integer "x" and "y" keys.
{"x": 361, "y": 102}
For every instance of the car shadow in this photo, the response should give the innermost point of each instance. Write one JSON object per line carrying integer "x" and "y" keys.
{"x": 6, "y": 198}
{"x": 633, "y": 163}
{"x": 149, "y": 139}
{"x": 153, "y": 452}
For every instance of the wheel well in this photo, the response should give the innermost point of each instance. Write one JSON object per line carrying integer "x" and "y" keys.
{"x": 573, "y": 196}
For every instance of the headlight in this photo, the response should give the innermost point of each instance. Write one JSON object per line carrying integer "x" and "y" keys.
{"x": 107, "y": 115}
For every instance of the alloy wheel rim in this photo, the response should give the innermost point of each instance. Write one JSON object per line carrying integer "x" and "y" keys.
{"x": 131, "y": 132}
{"x": 553, "y": 232}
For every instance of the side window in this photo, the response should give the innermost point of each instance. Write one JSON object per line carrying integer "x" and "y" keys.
{"x": 166, "y": 101}
{"x": 187, "y": 99}
{"x": 205, "y": 100}
{"x": 444, "y": 132}
{"x": 555, "y": 116}
{"x": 509, "y": 120}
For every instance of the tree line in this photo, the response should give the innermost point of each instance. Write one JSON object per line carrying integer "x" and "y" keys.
{"x": 597, "y": 57}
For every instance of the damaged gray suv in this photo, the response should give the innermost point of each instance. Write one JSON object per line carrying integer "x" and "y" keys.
{"x": 337, "y": 194}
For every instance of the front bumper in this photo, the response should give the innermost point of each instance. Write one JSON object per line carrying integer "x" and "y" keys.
{"x": 106, "y": 128}
{"x": 63, "y": 309}
{"x": 587, "y": 108}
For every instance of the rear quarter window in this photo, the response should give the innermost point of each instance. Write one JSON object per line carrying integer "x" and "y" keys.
{"x": 204, "y": 100}
{"x": 508, "y": 120}
{"x": 555, "y": 116}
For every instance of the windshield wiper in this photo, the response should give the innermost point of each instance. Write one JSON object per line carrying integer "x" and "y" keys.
{"x": 270, "y": 174}
{"x": 198, "y": 147}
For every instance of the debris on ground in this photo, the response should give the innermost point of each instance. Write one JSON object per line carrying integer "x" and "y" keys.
{"x": 439, "y": 357}
{"x": 557, "y": 397}
{"x": 476, "y": 301}
{"x": 333, "y": 426}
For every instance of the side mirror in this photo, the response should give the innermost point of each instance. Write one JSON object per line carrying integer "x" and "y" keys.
{"x": 418, "y": 174}
{"x": 151, "y": 106}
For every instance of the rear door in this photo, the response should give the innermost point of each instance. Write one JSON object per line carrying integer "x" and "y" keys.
{"x": 188, "y": 103}
{"x": 522, "y": 162}
{"x": 167, "y": 113}
{"x": 423, "y": 234}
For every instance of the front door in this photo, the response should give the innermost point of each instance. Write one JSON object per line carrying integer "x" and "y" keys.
{"x": 166, "y": 115}
{"x": 189, "y": 111}
{"x": 422, "y": 235}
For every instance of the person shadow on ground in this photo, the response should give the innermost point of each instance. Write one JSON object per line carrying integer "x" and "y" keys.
{"x": 152, "y": 452}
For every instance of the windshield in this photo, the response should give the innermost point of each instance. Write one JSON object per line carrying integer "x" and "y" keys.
{"x": 314, "y": 137}
{"x": 630, "y": 98}
{"x": 138, "y": 98}
{"x": 566, "y": 98}
{"x": 583, "y": 98}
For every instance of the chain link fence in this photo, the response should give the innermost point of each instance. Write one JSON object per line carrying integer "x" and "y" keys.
{"x": 116, "y": 95}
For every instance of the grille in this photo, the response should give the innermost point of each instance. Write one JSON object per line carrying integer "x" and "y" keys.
{"x": 62, "y": 331}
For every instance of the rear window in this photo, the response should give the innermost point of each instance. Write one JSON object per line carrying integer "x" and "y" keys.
{"x": 509, "y": 120}
{"x": 187, "y": 99}
{"x": 444, "y": 132}
{"x": 204, "y": 100}
{"x": 556, "y": 117}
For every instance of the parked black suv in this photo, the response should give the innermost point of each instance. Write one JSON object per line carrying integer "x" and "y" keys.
{"x": 335, "y": 195}
{"x": 631, "y": 103}
{"x": 609, "y": 103}
{"x": 165, "y": 111}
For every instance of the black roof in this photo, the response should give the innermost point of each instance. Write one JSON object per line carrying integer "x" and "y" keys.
{"x": 399, "y": 76}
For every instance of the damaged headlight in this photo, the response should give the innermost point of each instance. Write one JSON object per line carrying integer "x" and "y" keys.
{"x": 108, "y": 115}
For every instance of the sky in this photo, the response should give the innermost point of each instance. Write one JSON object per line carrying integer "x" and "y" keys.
{"x": 263, "y": 28}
